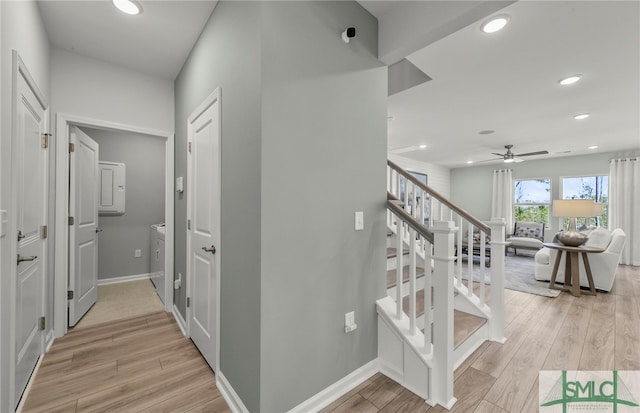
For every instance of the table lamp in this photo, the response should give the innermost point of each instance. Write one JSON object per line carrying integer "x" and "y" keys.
{"x": 573, "y": 208}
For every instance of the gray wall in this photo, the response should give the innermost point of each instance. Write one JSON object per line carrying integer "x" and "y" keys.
{"x": 144, "y": 158}
{"x": 323, "y": 158}
{"x": 303, "y": 148}
{"x": 227, "y": 55}
{"x": 471, "y": 187}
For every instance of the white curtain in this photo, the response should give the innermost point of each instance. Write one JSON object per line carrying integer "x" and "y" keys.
{"x": 624, "y": 205}
{"x": 502, "y": 201}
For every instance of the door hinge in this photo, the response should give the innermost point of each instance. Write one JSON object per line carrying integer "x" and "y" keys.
{"x": 189, "y": 224}
{"x": 72, "y": 221}
{"x": 188, "y": 302}
{"x": 69, "y": 295}
{"x": 44, "y": 232}
{"x": 45, "y": 140}
{"x": 72, "y": 147}
{"x": 42, "y": 323}
{"x": 189, "y": 147}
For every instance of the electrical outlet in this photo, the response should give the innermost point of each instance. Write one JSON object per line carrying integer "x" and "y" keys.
{"x": 350, "y": 322}
{"x": 137, "y": 253}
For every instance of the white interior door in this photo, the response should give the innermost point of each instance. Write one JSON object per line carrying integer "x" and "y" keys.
{"x": 203, "y": 130}
{"x": 30, "y": 190}
{"x": 83, "y": 207}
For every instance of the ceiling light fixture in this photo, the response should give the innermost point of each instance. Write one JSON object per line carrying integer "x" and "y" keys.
{"x": 570, "y": 80}
{"x": 469, "y": 162}
{"x": 127, "y": 6}
{"x": 423, "y": 146}
{"x": 582, "y": 116}
{"x": 593, "y": 147}
{"x": 495, "y": 23}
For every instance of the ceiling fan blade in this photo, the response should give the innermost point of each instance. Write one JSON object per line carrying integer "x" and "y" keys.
{"x": 491, "y": 160}
{"x": 532, "y": 153}
{"x": 497, "y": 154}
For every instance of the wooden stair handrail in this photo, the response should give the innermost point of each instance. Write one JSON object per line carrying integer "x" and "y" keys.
{"x": 466, "y": 215}
{"x": 396, "y": 206}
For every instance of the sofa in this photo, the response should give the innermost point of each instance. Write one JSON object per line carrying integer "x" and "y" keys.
{"x": 603, "y": 265}
{"x": 526, "y": 236}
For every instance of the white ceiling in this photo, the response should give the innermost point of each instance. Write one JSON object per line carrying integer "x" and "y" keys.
{"x": 156, "y": 42}
{"x": 506, "y": 82}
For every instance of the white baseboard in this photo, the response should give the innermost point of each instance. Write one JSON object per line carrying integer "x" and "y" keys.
{"x": 25, "y": 394}
{"x": 230, "y": 396}
{"x": 124, "y": 279}
{"x": 181, "y": 323}
{"x": 338, "y": 389}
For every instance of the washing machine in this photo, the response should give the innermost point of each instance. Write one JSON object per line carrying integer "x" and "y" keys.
{"x": 156, "y": 264}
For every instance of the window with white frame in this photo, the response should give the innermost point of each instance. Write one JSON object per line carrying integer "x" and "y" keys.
{"x": 594, "y": 187}
{"x": 532, "y": 200}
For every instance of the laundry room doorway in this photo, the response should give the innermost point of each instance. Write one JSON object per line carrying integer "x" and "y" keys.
{"x": 134, "y": 199}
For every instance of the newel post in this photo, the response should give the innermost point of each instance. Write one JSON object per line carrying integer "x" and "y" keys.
{"x": 443, "y": 257}
{"x": 498, "y": 251}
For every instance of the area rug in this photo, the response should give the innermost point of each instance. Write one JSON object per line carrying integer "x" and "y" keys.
{"x": 518, "y": 275}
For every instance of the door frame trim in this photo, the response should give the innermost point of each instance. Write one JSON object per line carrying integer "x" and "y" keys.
{"x": 63, "y": 121}
{"x": 208, "y": 101}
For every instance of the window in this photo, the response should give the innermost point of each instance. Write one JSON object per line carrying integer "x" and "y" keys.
{"x": 588, "y": 187}
{"x": 532, "y": 200}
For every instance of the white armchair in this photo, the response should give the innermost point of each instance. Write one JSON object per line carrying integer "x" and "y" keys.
{"x": 603, "y": 265}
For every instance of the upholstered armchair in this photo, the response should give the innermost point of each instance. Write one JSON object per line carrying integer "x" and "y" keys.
{"x": 526, "y": 236}
{"x": 603, "y": 265}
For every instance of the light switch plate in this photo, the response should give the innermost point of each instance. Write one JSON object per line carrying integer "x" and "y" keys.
{"x": 359, "y": 220}
{"x": 179, "y": 184}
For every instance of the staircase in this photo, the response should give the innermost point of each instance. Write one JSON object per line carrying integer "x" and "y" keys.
{"x": 438, "y": 309}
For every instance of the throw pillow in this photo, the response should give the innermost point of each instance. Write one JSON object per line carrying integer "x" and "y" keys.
{"x": 599, "y": 238}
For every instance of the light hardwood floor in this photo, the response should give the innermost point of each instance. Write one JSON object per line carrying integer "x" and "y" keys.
{"x": 145, "y": 364}
{"x": 140, "y": 364}
{"x": 562, "y": 333}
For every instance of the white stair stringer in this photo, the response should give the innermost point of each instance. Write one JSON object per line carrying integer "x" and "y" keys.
{"x": 401, "y": 355}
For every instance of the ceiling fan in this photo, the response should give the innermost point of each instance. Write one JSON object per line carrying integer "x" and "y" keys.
{"x": 509, "y": 156}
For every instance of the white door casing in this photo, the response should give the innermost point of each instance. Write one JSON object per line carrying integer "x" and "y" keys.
{"x": 30, "y": 195}
{"x": 203, "y": 236}
{"x": 83, "y": 240}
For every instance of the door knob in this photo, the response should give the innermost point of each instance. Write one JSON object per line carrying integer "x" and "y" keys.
{"x": 98, "y": 229}
{"x": 212, "y": 249}
{"x": 26, "y": 258}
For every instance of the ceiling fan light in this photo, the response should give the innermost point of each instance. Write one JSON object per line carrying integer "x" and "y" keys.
{"x": 495, "y": 24}
{"x": 127, "y": 6}
{"x": 509, "y": 160}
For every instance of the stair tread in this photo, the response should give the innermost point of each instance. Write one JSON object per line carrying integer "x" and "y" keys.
{"x": 391, "y": 275}
{"x": 391, "y": 252}
{"x": 464, "y": 324}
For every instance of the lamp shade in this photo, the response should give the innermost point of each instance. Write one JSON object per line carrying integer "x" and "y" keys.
{"x": 574, "y": 208}
{"x": 597, "y": 210}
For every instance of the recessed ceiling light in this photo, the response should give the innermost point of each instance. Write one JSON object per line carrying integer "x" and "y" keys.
{"x": 423, "y": 146}
{"x": 593, "y": 147}
{"x": 486, "y": 132}
{"x": 582, "y": 116}
{"x": 570, "y": 80}
{"x": 127, "y": 6}
{"x": 469, "y": 162}
{"x": 495, "y": 23}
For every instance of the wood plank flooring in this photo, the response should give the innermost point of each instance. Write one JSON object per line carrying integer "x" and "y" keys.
{"x": 140, "y": 364}
{"x": 144, "y": 364}
{"x": 562, "y": 333}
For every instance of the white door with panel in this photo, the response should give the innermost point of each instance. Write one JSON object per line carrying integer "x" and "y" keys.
{"x": 83, "y": 226}
{"x": 30, "y": 179}
{"x": 203, "y": 132}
